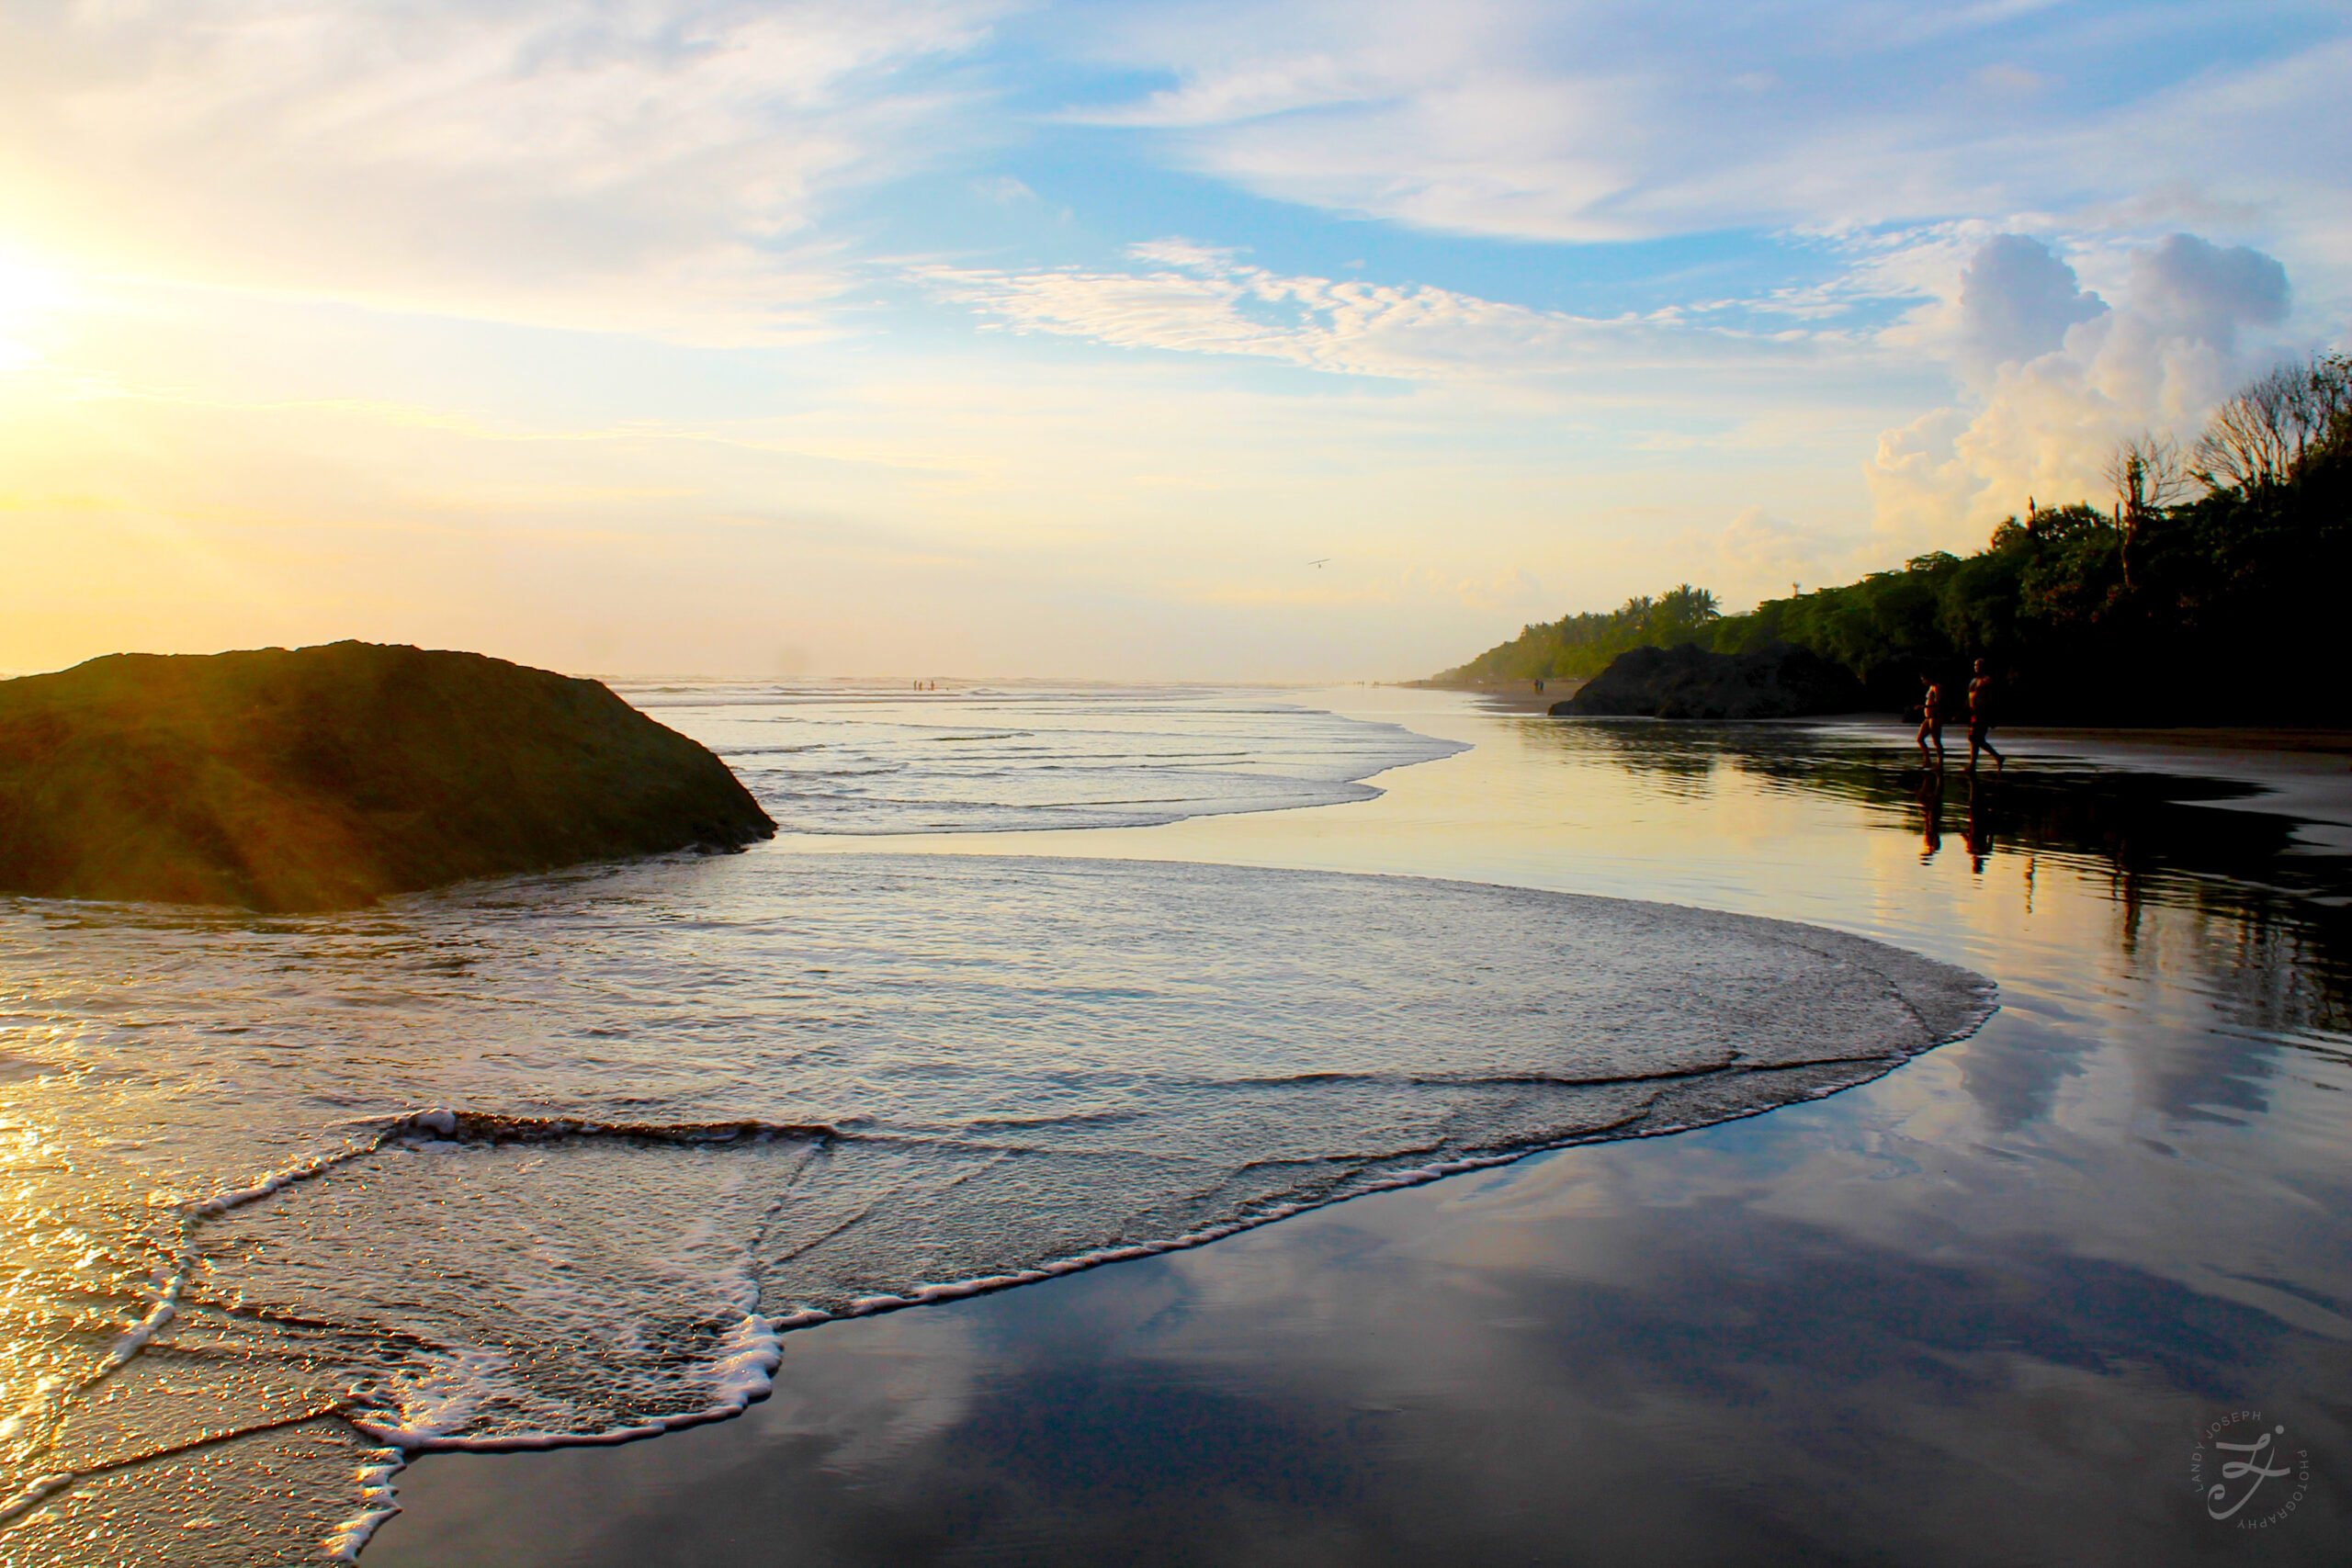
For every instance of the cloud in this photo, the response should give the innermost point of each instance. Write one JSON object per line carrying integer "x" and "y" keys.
{"x": 1763, "y": 546}
{"x": 655, "y": 165}
{"x": 2208, "y": 293}
{"x": 1249, "y": 94}
{"x": 982, "y": 512}
{"x": 2016, "y": 300}
{"x": 1199, "y": 299}
{"x": 727, "y": 172}
{"x": 1604, "y": 119}
{"x": 2194, "y": 324}
{"x": 1757, "y": 555}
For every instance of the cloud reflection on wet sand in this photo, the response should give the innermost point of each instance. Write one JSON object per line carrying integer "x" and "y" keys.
{"x": 1973, "y": 1313}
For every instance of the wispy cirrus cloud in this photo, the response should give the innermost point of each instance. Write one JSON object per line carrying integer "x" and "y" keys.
{"x": 1608, "y": 120}
{"x": 1312, "y": 81}
{"x": 655, "y": 167}
{"x": 1185, "y": 297}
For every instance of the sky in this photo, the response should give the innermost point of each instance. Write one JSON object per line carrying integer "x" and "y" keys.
{"x": 976, "y": 338}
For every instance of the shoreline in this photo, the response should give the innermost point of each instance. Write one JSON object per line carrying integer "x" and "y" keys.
{"x": 2301, "y": 771}
{"x": 1517, "y": 696}
{"x": 1350, "y": 1355}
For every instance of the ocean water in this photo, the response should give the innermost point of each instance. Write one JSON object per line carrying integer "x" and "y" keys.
{"x": 568, "y": 1159}
{"x": 1998, "y": 1305}
{"x": 862, "y": 757}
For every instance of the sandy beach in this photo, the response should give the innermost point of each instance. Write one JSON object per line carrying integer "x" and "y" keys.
{"x": 757, "y": 807}
{"x": 1838, "y": 1332}
{"x": 1516, "y": 696}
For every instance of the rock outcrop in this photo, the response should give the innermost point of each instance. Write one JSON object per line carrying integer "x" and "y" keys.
{"x": 325, "y": 778}
{"x": 1777, "y": 681}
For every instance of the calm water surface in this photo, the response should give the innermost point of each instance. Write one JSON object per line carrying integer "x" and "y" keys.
{"x": 555, "y": 1160}
{"x": 1998, "y": 1306}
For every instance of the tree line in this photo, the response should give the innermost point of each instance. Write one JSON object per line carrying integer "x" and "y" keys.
{"x": 1584, "y": 644}
{"x": 2204, "y": 589}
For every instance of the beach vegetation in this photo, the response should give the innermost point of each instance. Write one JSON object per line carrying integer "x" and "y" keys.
{"x": 1584, "y": 645}
{"x": 2202, "y": 589}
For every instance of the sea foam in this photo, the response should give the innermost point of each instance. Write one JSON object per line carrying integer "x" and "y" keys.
{"x": 565, "y": 1160}
{"x": 868, "y": 760}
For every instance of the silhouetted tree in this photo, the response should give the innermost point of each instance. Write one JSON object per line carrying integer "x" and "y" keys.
{"x": 2148, "y": 476}
{"x": 2263, "y": 432}
{"x": 2158, "y": 608}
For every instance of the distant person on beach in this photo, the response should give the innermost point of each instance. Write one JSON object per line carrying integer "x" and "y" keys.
{"x": 1980, "y": 719}
{"x": 1931, "y": 721}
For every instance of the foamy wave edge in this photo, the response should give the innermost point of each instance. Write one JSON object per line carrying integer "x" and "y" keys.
{"x": 743, "y": 1371}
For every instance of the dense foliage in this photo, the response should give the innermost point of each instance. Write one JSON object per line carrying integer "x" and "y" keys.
{"x": 2215, "y": 608}
{"x": 1585, "y": 644}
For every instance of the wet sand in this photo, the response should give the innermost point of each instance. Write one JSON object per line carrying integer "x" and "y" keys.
{"x": 1978, "y": 1312}
{"x": 2305, "y": 774}
{"x": 1518, "y": 696}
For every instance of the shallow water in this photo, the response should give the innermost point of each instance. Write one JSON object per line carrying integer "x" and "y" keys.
{"x": 1979, "y": 1311}
{"x": 558, "y": 1159}
{"x": 866, "y": 758}
{"x": 1972, "y": 1312}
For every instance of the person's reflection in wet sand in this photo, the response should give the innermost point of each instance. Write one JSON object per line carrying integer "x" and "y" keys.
{"x": 1980, "y": 822}
{"x": 1931, "y": 809}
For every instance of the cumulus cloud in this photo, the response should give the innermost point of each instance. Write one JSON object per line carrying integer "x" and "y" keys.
{"x": 2208, "y": 293}
{"x": 2060, "y": 379}
{"x": 2017, "y": 301}
{"x": 649, "y": 165}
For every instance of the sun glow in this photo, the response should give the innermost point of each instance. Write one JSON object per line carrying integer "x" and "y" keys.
{"x": 25, "y": 292}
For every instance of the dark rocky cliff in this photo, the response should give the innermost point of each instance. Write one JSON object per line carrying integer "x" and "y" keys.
{"x": 1775, "y": 682}
{"x": 324, "y": 778}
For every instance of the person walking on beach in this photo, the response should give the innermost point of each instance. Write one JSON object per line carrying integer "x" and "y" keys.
{"x": 1980, "y": 719}
{"x": 1931, "y": 721}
